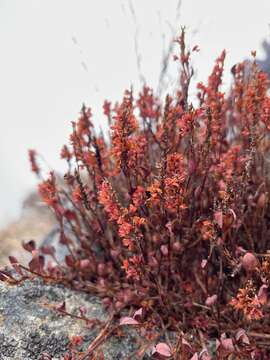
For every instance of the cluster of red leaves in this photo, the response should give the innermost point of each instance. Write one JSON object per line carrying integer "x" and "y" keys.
{"x": 171, "y": 213}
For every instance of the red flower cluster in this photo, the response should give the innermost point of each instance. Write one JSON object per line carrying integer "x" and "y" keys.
{"x": 248, "y": 302}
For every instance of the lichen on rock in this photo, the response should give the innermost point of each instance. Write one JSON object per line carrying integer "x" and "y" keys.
{"x": 29, "y": 326}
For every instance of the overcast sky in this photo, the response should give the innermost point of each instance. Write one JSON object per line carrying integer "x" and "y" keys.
{"x": 57, "y": 54}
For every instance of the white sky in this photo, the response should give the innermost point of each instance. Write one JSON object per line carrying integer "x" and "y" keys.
{"x": 57, "y": 54}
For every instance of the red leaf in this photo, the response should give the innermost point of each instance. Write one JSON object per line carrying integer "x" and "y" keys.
{"x": 15, "y": 264}
{"x": 45, "y": 356}
{"x": 195, "y": 48}
{"x": 169, "y": 227}
{"x": 70, "y": 215}
{"x": 205, "y": 356}
{"x": 29, "y": 246}
{"x": 227, "y": 345}
{"x": 249, "y": 262}
{"x": 76, "y": 340}
{"x": 163, "y": 349}
{"x": 61, "y": 307}
{"x": 211, "y": 300}
{"x": 85, "y": 264}
{"x": 138, "y": 313}
{"x": 203, "y": 263}
{"x": 13, "y": 260}
{"x": 177, "y": 247}
{"x": 64, "y": 240}
{"x": 164, "y": 250}
{"x": 185, "y": 342}
{"x": 233, "y": 214}
{"x": 126, "y": 320}
{"x": 83, "y": 311}
{"x": 241, "y": 335}
{"x": 48, "y": 250}
{"x": 3, "y": 277}
{"x": 69, "y": 260}
{"x": 262, "y": 294}
{"x": 218, "y": 216}
{"x": 37, "y": 264}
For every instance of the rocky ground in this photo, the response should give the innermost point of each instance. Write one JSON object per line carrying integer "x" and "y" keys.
{"x": 30, "y": 327}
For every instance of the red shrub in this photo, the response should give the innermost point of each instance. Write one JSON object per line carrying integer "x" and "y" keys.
{"x": 171, "y": 214}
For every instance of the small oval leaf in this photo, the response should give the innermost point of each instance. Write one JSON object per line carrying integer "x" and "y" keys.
{"x": 126, "y": 320}
{"x": 138, "y": 313}
{"x": 163, "y": 349}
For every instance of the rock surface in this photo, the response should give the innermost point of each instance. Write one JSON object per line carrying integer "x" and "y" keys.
{"x": 29, "y": 327}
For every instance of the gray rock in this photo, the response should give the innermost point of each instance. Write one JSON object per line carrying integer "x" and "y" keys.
{"x": 30, "y": 327}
